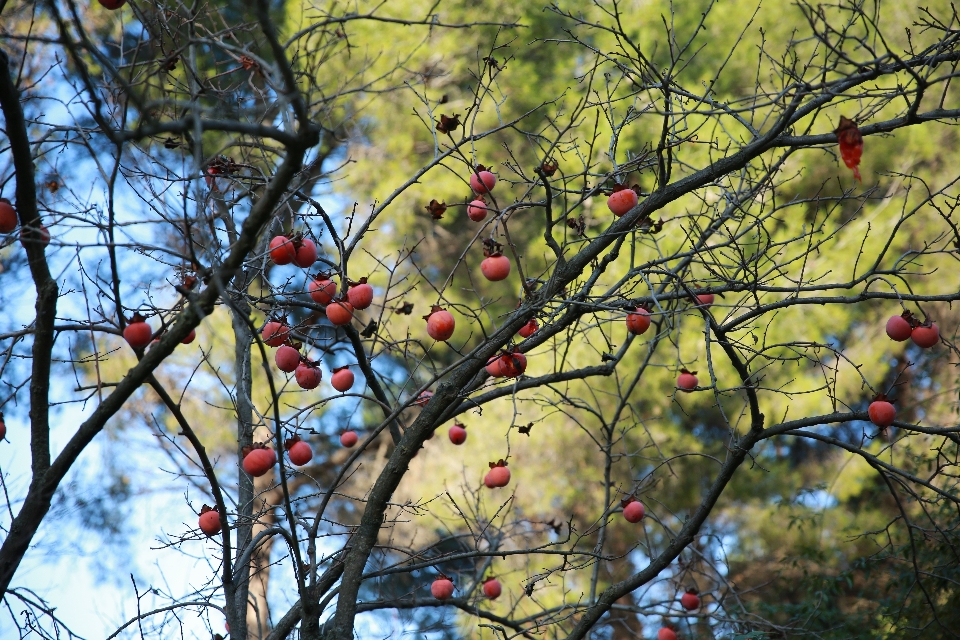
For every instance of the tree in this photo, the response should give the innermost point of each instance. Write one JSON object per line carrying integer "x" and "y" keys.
{"x": 665, "y": 200}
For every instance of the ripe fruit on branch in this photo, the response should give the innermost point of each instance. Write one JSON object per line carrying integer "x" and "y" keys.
{"x": 209, "y": 520}
{"x": 212, "y": 173}
{"x": 113, "y": 5}
{"x": 690, "y": 600}
{"x": 882, "y": 412}
{"x": 528, "y": 329}
{"x": 308, "y": 376}
{"x": 633, "y": 510}
{"x": 275, "y": 333}
{"x": 287, "y": 358}
{"x": 339, "y": 312}
{"x": 299, "y": 451}
{"x": 495, "y": 266}
{"x": 476, "y": 210}
{"x": 342, "y": 379}
{"x": 622, "y": 200}
{"x": 306, "y": 253}
{"x": 926, "y": 335}
{"x": 440, "y": 324}
{"x": 259, "y": 460}
{"x": 666, "y": 633}
{"x": 442, "y": 588}
{"x": 282, "y": 250}
{"x": 322, "y": 290}
{"x": 423, "y": 398}
{"x": 481, "y": 180}
{"x": 349, "y": 438}
{"x": 851, "y": 145}
{"x": 360, "y": 294}
{"x": 138, "y": 333}
{"x": 458, "y": 433}
{"x": 704, "y": 300}
{"x": 510, "y": 364}
{"x": 899, "y": 328}
{"x": 687, "y": 381}
{"x": 8, "y": 216}
{"x": 3, "y": 427}
{"x": 190, "y": 337}
{"x": 492, "y": 588}
{"x": 498, "y": 476}
{"x": 25, "y": 233}
{"x": 638, "y": 321}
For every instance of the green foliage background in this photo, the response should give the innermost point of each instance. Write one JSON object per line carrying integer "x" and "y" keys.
{"x": 791, "y": 531}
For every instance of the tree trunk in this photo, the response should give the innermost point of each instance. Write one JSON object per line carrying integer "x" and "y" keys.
{"x": 244, "y": 381}
{"x": 258, "y": 610}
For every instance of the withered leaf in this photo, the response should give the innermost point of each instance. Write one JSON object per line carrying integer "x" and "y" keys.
{"x": 370, "y": 329}
{"x": 436, "y": 209}
{"x": 578, "y": 224}
{"x": 405, "y": 309}
{"x": 448, "y": 123}
{"x": 548, "y": 168}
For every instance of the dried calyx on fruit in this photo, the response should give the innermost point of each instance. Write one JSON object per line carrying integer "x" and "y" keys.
{"x": 440, "y": 324}
{"x": 481, "y": 180}
{"x": 209, "y": 520}
{"x": 138, "y": 333}
{"x": 293, "y": 248}
{"x": 442, "y": 587}
{"x": 299, "y": 451}
{"x": 926, "y": 334}
{"x": 906, "y": 326}
{"x": 477, "y": 209}
{"x": 881, "y": 411}
{"x": 900, "y": 327}
{"x": 458, "y": 433}
{"x": 308, "y": 374}
{"x": 638, "y": 320}
{"x": 492, "y": 588}
{"x": 258, "y": 459}
{"x": 687, "y": 380}
{"x": 360, "y": 294}
{"x": 690, "y": 600}
{"x": 339, "y": 312}
{"x": 322, "y": 288}
{"x": 288, "y": 357}
{"x": 495, "y": 265}
{"x": 498, "y": 476}
{"x": 633, "y": 510}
